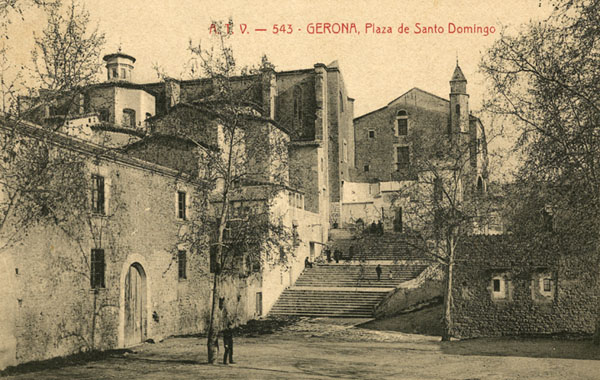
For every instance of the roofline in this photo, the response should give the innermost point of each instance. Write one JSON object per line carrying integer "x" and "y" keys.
{"x": 199, "y": 80}
{"x": 152, "y": 136}
{"x": 79, "y": 145}
{"x": 368, "y": 113}
{"x": 116, "y": 55}
{"x": 251, "y": 117}
{"x": 298, "y": 71}
{"x": 387, "y": 105}
{"x": 122, "y": 84}
{"x": 417, "y": 88}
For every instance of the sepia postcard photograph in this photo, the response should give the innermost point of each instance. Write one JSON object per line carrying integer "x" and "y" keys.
{"x": 300, "y": 189}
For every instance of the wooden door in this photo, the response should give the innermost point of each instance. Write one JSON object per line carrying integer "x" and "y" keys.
{"x": 134, "y": 307}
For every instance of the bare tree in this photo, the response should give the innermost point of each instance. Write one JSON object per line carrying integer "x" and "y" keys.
{"x": 544, "y": 78}
{"x": 37, "y": 181}
{"x": 441, "y": 203}
{"x": 242, "y": 173}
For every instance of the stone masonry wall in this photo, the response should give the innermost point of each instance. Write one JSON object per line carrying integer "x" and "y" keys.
{"x": 521, "y": 309}
{"x": 50, "y": 272}
{"x": 425, "y": 112}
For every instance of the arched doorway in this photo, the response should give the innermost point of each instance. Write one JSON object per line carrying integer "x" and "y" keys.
{"x": 135, "y": 324}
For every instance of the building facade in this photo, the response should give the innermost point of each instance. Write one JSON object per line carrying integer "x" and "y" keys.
{"x": 396, "y": 144}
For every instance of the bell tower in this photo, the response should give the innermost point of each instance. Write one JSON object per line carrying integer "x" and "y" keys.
{"x": 459, "y": 102}
{"x": 119, "y": 66}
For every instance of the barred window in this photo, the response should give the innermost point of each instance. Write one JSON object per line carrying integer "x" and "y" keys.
{"x": 182, "y": 264}
{"x": 401, "y": 123}
{"x": 97, "y": 266}
{"x": 181, "y": 206}
{"x": 98, "y": 195}
{"x": 402, "y": 157}
{"x": 547, "y": 285}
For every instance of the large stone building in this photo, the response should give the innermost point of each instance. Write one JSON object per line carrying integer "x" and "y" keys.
{"x": 141, "y": 144}
{"x": 125, "y": 273}
{"x": 393, "y": 149}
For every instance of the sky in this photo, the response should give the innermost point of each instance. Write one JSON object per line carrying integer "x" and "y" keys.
{"x": 376, "y": 68}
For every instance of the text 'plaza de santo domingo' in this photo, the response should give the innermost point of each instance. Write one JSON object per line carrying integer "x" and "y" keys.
{"x": 353, "y": 195}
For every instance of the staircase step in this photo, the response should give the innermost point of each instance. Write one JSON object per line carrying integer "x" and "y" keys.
{"x": 342, "y": 290}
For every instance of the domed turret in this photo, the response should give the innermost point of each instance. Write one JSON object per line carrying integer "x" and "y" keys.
{"x": 119, "y": 66}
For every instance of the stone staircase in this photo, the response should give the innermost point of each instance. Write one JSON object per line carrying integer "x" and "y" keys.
{"x": 342, "y": 276}
{"x": 342, "y": 290}
{"x": 386, "y": 247}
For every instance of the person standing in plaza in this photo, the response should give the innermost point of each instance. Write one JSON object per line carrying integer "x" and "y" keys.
{"x": 228, "y": 343}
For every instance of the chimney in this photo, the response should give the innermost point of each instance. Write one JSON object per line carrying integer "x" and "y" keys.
{"x": 172, "y": 93}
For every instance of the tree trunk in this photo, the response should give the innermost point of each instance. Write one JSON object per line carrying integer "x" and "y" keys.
{"x": 94, "y": 315}
{"x": 447, "y": 331}
{"x": 213, "y": 326}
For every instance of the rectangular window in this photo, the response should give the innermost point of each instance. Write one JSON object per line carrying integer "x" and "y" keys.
{"x": 104, "y": 115}
{"x": 402, "y": 157}
{"x": 129, "y": 118}
{"x": 371, "y": 134}
{"x": 98, "y": 194}
{"x": 496, "y": 285}
{"x": 402, "y": 127}
{"x": 97, "y": 266}
{"x": 366, "y": 168}
{"x": 181, "y": 211}
{"x": 547, "y": 285}
{"x": 182, "y": 264}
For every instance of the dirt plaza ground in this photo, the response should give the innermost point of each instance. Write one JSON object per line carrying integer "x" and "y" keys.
{"x": 337, "y": 349}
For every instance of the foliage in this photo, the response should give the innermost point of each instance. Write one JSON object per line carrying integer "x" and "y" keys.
{"x": 67, "y": 54}
{"x": 242, "y": 176}
{"x": 546, "y": 80}
{"x": 44, "y": 176}
{"x": 440, "y": 202}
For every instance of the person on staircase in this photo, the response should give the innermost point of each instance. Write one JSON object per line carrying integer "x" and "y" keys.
{"x": 378, "y": 270}
{"x": 307, "y": 263}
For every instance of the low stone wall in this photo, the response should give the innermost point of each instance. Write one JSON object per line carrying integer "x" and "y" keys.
{"x": 506, "y": 287}
{"x": 425, "y": 288}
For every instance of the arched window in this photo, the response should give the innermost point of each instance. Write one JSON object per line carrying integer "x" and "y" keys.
{"x": 480, "y": 188}
{"x": 128, "y": 118}
{"x": 298, "y": 106}
{"x": 401, "y": 123}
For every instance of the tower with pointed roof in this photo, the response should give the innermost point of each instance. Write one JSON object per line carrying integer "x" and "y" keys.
{"x": 459, "y": 102}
